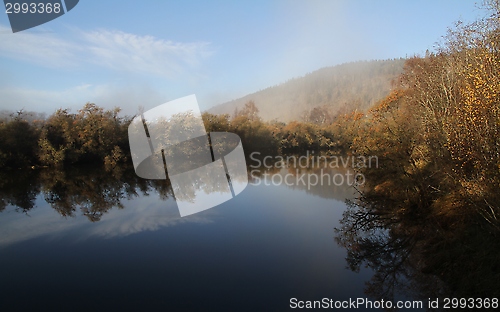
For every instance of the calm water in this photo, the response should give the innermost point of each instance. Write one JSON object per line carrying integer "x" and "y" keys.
{"x": 91, "y": 240}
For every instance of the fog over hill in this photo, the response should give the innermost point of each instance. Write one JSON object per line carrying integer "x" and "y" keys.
{"x": 358, "y": 84}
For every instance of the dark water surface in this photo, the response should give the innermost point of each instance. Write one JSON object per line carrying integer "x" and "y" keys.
{"x": 91, "y": 240}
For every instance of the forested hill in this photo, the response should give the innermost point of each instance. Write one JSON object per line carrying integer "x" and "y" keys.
{"x": 358, "y": 84}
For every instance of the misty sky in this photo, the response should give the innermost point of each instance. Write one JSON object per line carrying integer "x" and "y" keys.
{"x": 145, "y": 53}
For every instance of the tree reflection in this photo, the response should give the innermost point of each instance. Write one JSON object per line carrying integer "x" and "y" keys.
{"x": 93, "y": 193}
{"x": 19, "y": 190}
{"x": 89, "y": 191}
{"x": 415, "y": 257}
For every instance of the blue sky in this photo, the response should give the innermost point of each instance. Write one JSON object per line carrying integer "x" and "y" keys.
{"x": 145, "y": 53}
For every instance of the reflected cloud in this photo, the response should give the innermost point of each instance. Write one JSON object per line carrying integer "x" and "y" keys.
{"x": 145, "y": 213}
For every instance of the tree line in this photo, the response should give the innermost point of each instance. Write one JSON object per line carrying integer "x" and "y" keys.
{"x": 92, "y": 135}
{"x": 99, "y": 136}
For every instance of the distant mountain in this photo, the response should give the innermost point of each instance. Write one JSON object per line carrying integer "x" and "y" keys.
{"x": 358, "y": 84}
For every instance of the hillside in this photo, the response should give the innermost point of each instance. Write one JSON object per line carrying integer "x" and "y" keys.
{"x": 359, "y": 84}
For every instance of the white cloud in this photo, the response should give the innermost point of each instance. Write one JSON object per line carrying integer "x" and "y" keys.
{"x": 44, "y": 49}
{"x": 122, "y": 51}
{"x": 114, "y": 50}
{"x": 139, "y": 61}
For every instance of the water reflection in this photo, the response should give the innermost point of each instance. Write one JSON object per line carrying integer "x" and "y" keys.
{"x": 274, "y": 242}
{"x": 18, "y": 189}
{"x": 87, "y": 193}
{"x": 415, "y": 258}
{"x": 94, "y": 193}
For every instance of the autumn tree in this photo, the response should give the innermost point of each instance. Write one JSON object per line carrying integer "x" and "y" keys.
{"x": 92, "y": 135}
{"x": 250, "y": 111}
{"x": 18, "y": 142}
{"x": 319, "y": 115}
{"x": 438, "y": 131}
